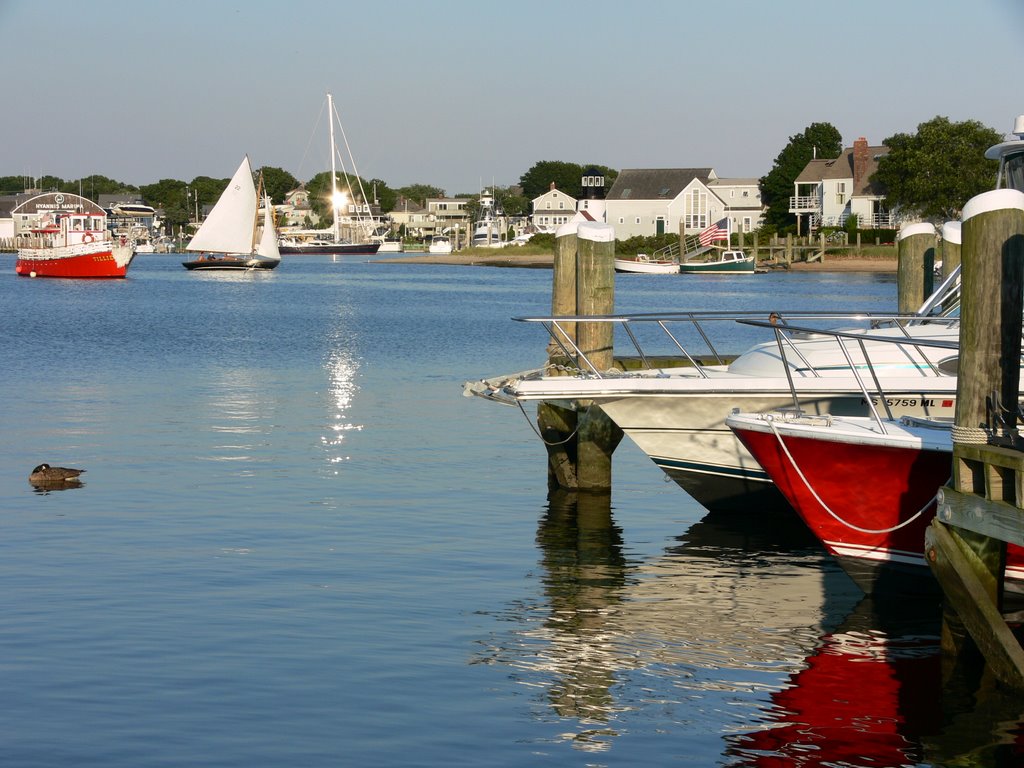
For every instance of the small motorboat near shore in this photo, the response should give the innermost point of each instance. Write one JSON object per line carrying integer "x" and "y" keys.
{"x": 730, "y": 262}
{"x": 646, "y": 265}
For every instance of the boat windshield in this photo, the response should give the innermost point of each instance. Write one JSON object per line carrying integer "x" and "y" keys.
{"x": 1011, "y": 172}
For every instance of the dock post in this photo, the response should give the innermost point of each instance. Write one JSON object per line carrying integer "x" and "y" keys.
{"x": 951, "y": 237}
{"x": 982, "y": 509}
{"x": 597, "y": 435}
{"x": 557, "y": 426}
{"x": 915, "y": 270}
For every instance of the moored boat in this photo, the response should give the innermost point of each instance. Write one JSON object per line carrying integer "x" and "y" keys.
{"x": 319, "y": 246}
{"x": 719, "y": 262}
{"x": 65, "y": 235}
{"x": 440, "y": 244}
{"x": 646, "y": 265}
{"x": 865, "y": 487}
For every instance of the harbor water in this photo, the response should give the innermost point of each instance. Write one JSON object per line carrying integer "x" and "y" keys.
{"x": 298, "y": 544}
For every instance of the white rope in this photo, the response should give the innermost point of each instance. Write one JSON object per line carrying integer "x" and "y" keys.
{"x": 825, "y": 506}
{"x": 980, "y": 435}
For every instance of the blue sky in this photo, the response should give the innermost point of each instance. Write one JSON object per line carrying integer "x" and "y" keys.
{"x": 463, "y": 94}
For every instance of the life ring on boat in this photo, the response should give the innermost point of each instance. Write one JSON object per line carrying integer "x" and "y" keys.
{"x": 87, "y": 237}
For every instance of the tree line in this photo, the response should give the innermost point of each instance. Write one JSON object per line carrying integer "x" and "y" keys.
{"x": 932, "y": 172}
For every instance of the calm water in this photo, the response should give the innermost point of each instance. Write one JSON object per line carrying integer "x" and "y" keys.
{"x": 299, "y": 545}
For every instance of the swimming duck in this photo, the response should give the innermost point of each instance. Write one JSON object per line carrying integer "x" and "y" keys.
{"x": 44, "y": 474}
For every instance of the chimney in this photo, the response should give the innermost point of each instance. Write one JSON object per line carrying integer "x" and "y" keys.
{"x": 860, "y": 161}
{"x": 552, "y": 186}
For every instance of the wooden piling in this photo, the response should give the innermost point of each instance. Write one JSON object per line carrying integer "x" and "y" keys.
{"x": 580, "y": 441}
{"x": 598, "y": 436}
{"x": 951, "y": 243}
{"x": 915, "y": 247}
{"x": 992, "y": 286}
{"x": 563, "y": 284}
{"x": 983, "y": 508}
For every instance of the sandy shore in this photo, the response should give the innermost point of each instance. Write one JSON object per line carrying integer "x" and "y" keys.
{"x": 542, "y": 261}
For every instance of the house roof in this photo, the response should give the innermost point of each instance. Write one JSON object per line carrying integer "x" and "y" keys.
{"x": 842, "y": 168}
{"x": 655, "y": 183}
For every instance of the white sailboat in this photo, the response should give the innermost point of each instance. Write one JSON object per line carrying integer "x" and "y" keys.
{"x": 331, "y": 242}
{"x": 229, "y": 238}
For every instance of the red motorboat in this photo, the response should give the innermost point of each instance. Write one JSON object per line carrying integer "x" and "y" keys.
{"x": 866, "y": 488}
{"x": 65, "y": 235}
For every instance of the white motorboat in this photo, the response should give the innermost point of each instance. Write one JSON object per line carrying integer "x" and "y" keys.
{"x": 440, "y": 244}
{"x": 646, "y": 265}
{"x": 677, "y": 415}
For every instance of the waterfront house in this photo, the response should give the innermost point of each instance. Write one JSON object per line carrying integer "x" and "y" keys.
{"x": 446, "y": 215}
{"x": 828, "y": 192}
{"x": 552, "y": 209}
{"x": 655, "y": 201}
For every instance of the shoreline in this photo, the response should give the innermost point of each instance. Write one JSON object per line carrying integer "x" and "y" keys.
{"x": 837, "y": 263}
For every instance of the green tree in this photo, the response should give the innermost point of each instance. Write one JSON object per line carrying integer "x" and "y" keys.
{"x": 420, "y": 192}
{"x": 821, "y": 140}
{"x": 277, "y": 183}
{"x": 935, "y": 171}
{"x": 94, "y": 186}
{"x": 386, "y": 197}
{"x": 538, "y": 179}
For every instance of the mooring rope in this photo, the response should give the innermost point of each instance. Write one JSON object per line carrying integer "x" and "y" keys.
{"x": 825, "y": 506}
{"x": 537, "y": 431}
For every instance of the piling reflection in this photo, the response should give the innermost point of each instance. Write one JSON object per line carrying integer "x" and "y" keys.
{"x": 716, "y": 622}
{"x": 584, "y": 577}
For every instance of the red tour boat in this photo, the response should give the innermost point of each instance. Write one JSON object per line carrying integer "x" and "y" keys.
{"x": 65, "y": 235}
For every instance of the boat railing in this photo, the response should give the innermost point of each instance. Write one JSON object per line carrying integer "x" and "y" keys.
{"x": 668, "y": 330}
{"x": 844, "y": 339}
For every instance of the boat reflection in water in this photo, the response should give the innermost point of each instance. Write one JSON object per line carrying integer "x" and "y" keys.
{"x": 714, "y": 624}
{"x": 748, "y": 617}
{"x": 867, "y": 696}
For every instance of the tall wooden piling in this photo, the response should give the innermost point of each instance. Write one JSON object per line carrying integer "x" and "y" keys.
{"x": 915, "y": 248}
{"x": 581, "y": 441}
{"x": 557, "y": 425}
{"x": 951, "y": 244}
{"x": 597, "y": 435}
{"x": 983, "y": 508}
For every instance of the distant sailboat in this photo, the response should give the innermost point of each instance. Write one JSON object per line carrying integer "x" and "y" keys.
{"x": 229, "y": 238}
{"x": 331, "y": 242}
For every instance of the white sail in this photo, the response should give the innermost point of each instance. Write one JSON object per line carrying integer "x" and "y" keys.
{"x": 231, "y": 225}
{"x": 267, "y": 248}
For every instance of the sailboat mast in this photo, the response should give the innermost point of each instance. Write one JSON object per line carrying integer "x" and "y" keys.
{"x": 334, "y": 178}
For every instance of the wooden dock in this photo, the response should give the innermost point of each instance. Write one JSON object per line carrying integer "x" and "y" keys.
{"x": 982, "y": 511}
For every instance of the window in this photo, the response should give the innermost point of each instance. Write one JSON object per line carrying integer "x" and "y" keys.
{"x": 621, "y": 220}
{"x": 637, "y": 220}
{"x": 561, "y": 205}
{"x": 841, "y": 192}
{"x": 626, "y": 193}
{"x": 746, "y": 223}
{"x": 746, "y": 193}
{"x": 695, "y": 208}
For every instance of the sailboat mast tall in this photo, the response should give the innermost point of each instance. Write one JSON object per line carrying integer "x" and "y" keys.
{"x": 334, "y": 175}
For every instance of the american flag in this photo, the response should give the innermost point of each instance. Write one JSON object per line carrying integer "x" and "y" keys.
{"x": 717, "y": 231}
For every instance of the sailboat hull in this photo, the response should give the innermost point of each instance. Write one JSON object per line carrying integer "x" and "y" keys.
{"x": 228, "y": 263}
{"x": 331, "y": 249}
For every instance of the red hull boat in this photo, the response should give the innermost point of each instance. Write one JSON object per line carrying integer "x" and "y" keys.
{"x": 865, "y": 488}
{"x": 65, "y": 235}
